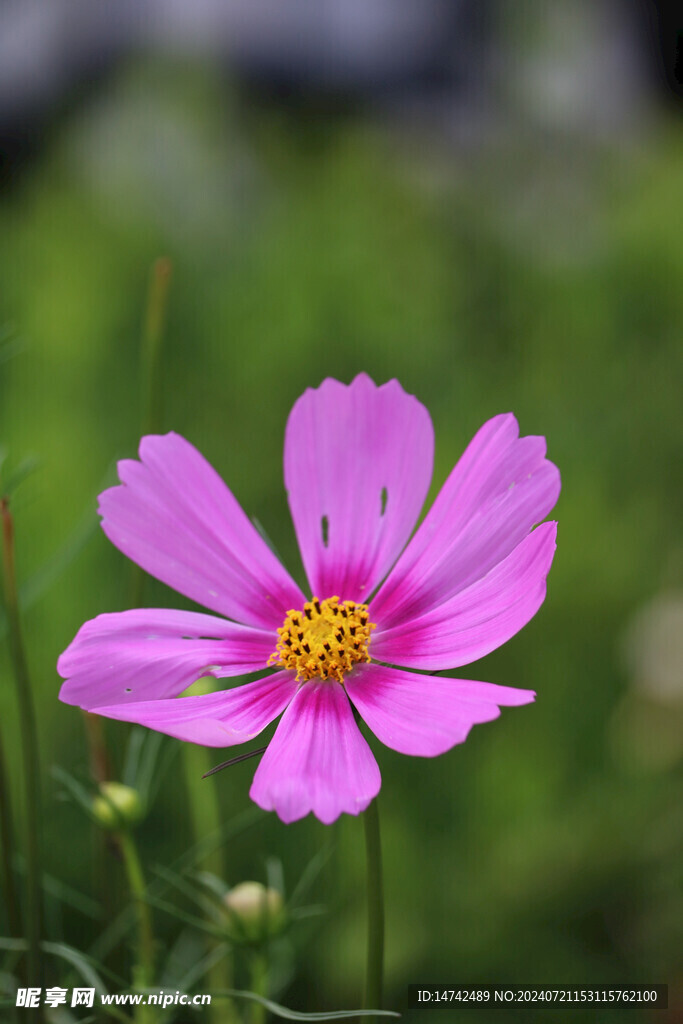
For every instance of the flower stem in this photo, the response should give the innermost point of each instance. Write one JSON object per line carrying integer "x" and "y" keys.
{"x": 151, "y": 376}
{"x": 206, "y": 820}
{"x": 152, "y": 338}
{"x": 6, "y": 851}
{"x": 205, "y": 815}
{"x": 258, "y": 985}
{"x": 29, "y": 743}
{"x": 143, "y": 972}
{"x": 100, "y": 767}
{"x": 205, "y": 811}
{"x": 375, "y": 950}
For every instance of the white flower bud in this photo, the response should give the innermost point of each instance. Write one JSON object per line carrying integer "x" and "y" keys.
{"x": 254, "y": 912}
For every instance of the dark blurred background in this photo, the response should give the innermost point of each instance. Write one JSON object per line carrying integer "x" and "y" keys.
{"x": 483, "y": 200}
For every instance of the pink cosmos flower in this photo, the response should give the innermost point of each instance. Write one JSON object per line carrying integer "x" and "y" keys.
{"x": 358, "y": 463}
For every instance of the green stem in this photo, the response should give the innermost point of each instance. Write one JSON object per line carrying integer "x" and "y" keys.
{"x": 143, "y": 972}
{"x": 105, "y": 844}
{"x": 151, "y": 376}
{"x": 206, "y": 820}
{"x": 152, "y": 338}
{"x": 7, "y": 850}
{"x": 375, "y": 952}
{"x": 259, "y": 985}
{"x": 100, "y": 766}
{"x": 29, "y": 743}
{"x": 203, "y": 797}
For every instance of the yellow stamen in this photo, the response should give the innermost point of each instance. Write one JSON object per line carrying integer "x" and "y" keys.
{"x": 325, "y": 640}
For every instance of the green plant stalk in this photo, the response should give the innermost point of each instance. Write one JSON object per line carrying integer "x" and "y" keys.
{"x": 7, "y": 850}
{"x": 203, "y": 797}
{"x": 152, "y": 343}
{"x": 31, "y": 765}
{"x": 143, "y": 971}
{"x": 105, "y": 844}
{"x": 151, "y": 347}
{"x": 375, "y": 896}
{"x": 258, "y": 983}
{"x": 100, "y": 771}
{"x": 100, "y": 766}
{"x": 206, "y": 819}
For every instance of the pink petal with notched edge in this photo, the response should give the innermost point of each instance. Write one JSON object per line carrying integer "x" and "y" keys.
{"x": 152, "y": 653}
{"x": 479, "y": 619}
{"x": 424, "y": 715}
{"x": 358, "y": 462}
{"x": 501, "y": 487}
{"x": 174, "y": 516}
{"x": 317, "y": 760}
{"x": 214, "y": 719}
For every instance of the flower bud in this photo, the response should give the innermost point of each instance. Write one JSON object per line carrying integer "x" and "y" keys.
{"x": 117, "y": 807}
{"x": 254, "y": 912}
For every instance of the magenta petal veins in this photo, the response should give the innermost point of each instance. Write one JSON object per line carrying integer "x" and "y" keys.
{"x": 480, "y": 618}
{"x": 317, "y": 760}
{"x": 174, "y": 516}
{"x": 214, "y": 719}
{"x": 425, "y": 715}
{"x": 358, "y": 463}
{"x": 153, "y": 653}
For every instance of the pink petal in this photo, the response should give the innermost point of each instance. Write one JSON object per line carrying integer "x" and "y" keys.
{"x": 424, "y": 715}
{"x": 478, "y": 619}
{"x": 501, "y": 487}
{"x": 358, "y": 462}
{"x": 215, "y": 719}
{"x": 151, "y": 653}
{"x": 317, "y": 760}
{"x": 174, "y": 516}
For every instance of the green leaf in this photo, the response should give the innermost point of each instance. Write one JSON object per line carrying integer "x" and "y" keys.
{"x": 302, "y": 913}
{"x": 79, "y": 961}
{"x": 41, "y": 580}
{"x": 157, "y": 756}
{"x": 260, "y": 528}
{"x": 72, "y": 897}
{"x": 201, "y": 968}
{"x": 82, "y": 964}
{"x": 180, "y": 915}
{"x": 214, "y": 884}
{"x": 148, "y": 756}
{"x": 26, "y": 467}
{"x": 136, "y": 742}
{"x": 240, "y": 823}
{"x": 179, "y": 883}
{"x": 310, "y": 874}
{"x": 82, "y": 796}
{"x": 282, "y": 1011}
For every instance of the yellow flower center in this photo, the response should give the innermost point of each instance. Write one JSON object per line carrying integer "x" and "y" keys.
{"x": 325, "y": 640}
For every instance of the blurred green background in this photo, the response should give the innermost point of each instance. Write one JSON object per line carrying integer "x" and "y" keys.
{"x": 540, "y": 272}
